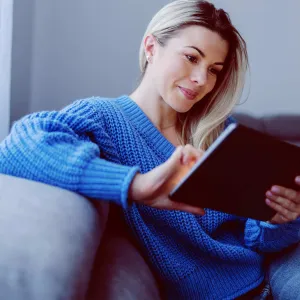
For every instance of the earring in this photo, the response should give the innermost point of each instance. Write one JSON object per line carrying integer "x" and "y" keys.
{"x": 149, "y": 58}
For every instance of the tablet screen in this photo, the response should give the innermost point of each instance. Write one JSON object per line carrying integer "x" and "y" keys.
{"x": 236, "y": 171}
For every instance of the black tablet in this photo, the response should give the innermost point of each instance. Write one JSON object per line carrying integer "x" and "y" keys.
{"x": 236, "y": 171}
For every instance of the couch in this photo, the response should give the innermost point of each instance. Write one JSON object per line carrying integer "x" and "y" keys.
{"x": 56, "y": 244}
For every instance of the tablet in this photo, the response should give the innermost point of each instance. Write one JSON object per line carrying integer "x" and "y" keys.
{"x": 235, "y": 172}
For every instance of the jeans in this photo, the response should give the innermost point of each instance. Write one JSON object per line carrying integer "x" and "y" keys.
{"x": 284, "y": 274}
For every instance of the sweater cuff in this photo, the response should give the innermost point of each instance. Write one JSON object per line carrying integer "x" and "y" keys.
{"x": 108, "y": 181}
{"x": 271, "y": 237}
{"x": 252, "y": 233}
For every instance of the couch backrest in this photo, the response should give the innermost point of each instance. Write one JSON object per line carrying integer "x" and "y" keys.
{"x": 285, "y": 127}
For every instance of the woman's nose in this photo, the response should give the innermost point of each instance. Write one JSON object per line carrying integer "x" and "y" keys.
{"x": 200, "y": 76}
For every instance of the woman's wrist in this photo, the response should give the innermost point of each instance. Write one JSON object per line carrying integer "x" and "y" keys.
{"x": 135, "y": 189}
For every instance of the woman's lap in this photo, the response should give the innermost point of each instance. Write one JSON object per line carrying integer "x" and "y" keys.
{"x": 284, "y": 274}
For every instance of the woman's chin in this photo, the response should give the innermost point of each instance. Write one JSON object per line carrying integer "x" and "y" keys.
{"x": 182, "y": 107}
{"x": 179, "y": 104}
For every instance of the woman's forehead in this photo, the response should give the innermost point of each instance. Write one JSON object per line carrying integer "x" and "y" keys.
{"x": 204, "y": 39}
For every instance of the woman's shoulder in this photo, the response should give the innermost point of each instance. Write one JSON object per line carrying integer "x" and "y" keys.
{"x": 109, "y": 111}
{"x": 104, "y": 104}
{"x": 98, "y": 102}
{"x": 229, "y": 120}
{"x": 89, "y": 109}
{"x": 94, "y": 106}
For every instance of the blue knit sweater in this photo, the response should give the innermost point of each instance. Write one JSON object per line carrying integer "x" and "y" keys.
{"x": 95, "y": 147}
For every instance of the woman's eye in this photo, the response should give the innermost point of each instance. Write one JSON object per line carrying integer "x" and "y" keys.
{"x": 191, "y": 58}
{"x": 215, "y": 71}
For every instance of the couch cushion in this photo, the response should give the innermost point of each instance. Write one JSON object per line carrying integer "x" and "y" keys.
{"x": 120, "y": 271}
{"x": 285, "y": 127}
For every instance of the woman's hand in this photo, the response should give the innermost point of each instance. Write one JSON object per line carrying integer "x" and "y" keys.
{"x": 153, "y": 188}
{"x": 285, "y": 201}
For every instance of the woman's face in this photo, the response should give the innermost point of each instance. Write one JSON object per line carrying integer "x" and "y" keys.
{"x": 187, "y": 67}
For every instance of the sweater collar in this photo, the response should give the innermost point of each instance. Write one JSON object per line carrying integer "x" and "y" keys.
{"x": 142, "y": 123}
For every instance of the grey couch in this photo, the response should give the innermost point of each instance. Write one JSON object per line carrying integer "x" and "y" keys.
{"x": 56, "y": 244}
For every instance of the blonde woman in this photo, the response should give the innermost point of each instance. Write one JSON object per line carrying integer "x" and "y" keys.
{"x": 131, "y": 149}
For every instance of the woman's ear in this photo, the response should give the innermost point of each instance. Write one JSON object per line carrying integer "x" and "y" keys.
{"x": 149, "y": 46}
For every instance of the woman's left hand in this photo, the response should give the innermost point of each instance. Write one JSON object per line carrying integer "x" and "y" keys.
{"x": 285, "y": 201}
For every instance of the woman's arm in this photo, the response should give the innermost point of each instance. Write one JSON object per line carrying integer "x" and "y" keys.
{"x": 284, "y": 228}
{"x": 58, "y": 148}
{"x": 64, "y": 148}
{"x": 268, "y": 237}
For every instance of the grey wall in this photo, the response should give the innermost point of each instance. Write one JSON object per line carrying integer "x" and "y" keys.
{"x": 6, "y": 11}
{"x": 82, "y": 48}
{"x": 85, "y": 48}
{"x": 271, "y": 30}
{"x": 23, "y": 16}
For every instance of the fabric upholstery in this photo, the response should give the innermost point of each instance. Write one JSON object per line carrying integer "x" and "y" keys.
{"x": 49, "y": 238}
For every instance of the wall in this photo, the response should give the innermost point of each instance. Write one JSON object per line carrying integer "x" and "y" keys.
{"x": 6, "y": 8}
{"x": 271, "y": 30}
{"x": 23, "y": 17}
{"x": 84, "y": 48}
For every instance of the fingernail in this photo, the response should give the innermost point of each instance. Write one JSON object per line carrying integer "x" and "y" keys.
{"x": 298, "y": 179}
{"x": 275, "y": 189}
{"x": 268, "y": 193}
{"x": 268, "y": 201}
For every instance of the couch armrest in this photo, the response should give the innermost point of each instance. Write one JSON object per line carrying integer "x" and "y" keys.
{"x": 49, "y": 237}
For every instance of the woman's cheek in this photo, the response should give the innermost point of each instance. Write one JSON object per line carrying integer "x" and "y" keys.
{"x": 211, "y": 85}
{"x": 178, "y": 66}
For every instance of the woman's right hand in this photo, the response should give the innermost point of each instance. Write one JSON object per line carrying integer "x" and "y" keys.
{"x": 153, "y": 188}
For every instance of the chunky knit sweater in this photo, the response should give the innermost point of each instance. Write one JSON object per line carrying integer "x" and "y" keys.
{"x": 95, "y": 147}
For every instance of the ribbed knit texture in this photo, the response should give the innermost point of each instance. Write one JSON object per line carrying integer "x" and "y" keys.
{"x": 95, "y": 147}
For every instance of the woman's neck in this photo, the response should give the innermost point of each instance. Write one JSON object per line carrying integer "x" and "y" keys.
{"x": 157, "y": 110}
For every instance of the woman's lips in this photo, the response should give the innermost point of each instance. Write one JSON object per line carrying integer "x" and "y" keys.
{"x": 189, "y": 94}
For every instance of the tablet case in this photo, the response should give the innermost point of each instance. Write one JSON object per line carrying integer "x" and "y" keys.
{"x": 237, "y": 170}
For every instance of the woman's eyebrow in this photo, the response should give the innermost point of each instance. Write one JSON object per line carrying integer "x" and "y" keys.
{"x": 203, "y": 55}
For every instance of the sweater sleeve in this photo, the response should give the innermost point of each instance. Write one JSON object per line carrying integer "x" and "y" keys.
{"x": 59, "y": 148}
{"x": 229, "y": 120}
{"x": 266, "y": 237}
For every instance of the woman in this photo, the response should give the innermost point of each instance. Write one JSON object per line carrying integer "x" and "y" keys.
{"x": 131, "y": 150}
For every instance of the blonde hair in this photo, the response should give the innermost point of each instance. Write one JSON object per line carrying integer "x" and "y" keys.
{"x": 205, "y": 121}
